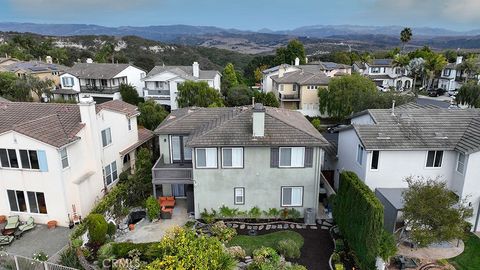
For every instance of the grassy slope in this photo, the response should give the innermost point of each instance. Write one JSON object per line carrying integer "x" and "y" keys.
{"x": 250, "y": 243}
{"x": 470, "y": 258}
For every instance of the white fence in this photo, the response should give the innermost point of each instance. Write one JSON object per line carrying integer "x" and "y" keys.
{"x": 15, "y": 262}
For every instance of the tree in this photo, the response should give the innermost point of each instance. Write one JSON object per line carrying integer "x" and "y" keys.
{"x": 434, "y": 64}
{"x": 199, "y": 94}
{"x": 469, "y": 94}
{"x": 36, "y": 85}
{"x": 434, "y": 212}
{"x": 129, "y": 94}
{"x": 267, "y": 99}
{"x": 451, "y": 55}
{"x": 238, "y": 96}
{"x": 144, "y": 62}
{"x": 416, "y": 69}
{"x": 469, "y": 67}
{"x": 405, "y": 36}
{"x": 105, "y": 54}
{"x": 97, "y": 229}
{"x": 229, "y": 77}
{"x": 287, "y": 55}
{"x": 8, "y": 88}
{"x": 151, "y": 114}
{"x": 139, "y": 184}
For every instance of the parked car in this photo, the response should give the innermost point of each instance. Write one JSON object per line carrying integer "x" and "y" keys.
{"x": 436, "y": 92}
{"x": 452, "y": 92}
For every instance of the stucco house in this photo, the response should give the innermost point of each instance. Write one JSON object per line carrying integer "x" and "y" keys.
{"x": 383, "y": 147}
{"x": 239, "y": 157}
{"x": 56, "y": 160}
{"x": 99, "y": 80}
{"x": 452, "y": 78}
{"x": 162, "y": 81}
{"x": 384, "y": 73}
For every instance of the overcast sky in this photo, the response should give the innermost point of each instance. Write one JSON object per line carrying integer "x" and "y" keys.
{"x": 247, "y": 14}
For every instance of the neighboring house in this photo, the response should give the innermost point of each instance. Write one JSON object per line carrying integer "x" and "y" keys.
{"x": 451, "y": 77}
{"x": 384, "y": 74}
{"x": 383, "y": 147}
{"x": 161, "y": 82}
{"x": 5, "y": 61}
{"x": 99, "y": 80}
{"x": 56, "y": 160}
{"x": 240, "y": 157}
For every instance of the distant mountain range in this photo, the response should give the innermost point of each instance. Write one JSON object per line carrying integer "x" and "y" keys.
{"x": 265, "y": 40}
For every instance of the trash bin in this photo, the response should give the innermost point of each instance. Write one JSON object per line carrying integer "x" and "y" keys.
{"x": 309, "y": 217}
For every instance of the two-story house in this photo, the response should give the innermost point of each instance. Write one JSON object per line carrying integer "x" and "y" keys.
{"x": 240, "y": 157}
{"x": 56, "y": 160}
{"x": 451, "y": 77}
{"x": 99, "y": 80}
{"x": 162, "y": 81}
{"x": 383, "y": 147}
{"x": 385, "y": 74}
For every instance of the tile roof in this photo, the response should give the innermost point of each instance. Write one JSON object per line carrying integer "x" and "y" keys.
{"x": 302, "y": 78}
{"x": 34, "y": 67}
{"x": 185, "y": 72}
{"x": 96, "y": 70}
{"x": 424, "y": 128}
{"x": 381, "y": 62}
{"x": 233, "y": 126}
{"x": 118, "y": 106}
{"x": 144, "y": 135}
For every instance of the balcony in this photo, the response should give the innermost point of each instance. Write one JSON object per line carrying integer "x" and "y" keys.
{"x": 173, "y": 173}
{"x": 289, "y": 97}
{"x": 157, "y": 93}
{"x": 99, "y": 89}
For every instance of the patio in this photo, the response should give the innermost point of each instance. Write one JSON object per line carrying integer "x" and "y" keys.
{"x": 50, "y": 241}
{"x": 146, "y": 231}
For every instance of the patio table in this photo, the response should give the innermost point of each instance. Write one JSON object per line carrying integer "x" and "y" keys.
{"x": 168, "y": 203}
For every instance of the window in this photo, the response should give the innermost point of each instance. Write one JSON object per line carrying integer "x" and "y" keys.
{"x": 129, "y": 124}
{"x": 36, "y": 201}
{"x": 375, "y": 156}
{"x": 446, "y": 72}
{"x": 110, "y": 172}
{"x": 376, "y": 70}
{"x": 106, "y": 137}
{"x": 434, "y": 159}
{"x": 68, "y": 81}
{"x": 292, "y": 157}
{"x": 239, "y": 195}
{"x": 292, "y": 196}
{"x": 64, "y": 157}
{"x": 281, "y": 87}
{"x": 8, "y": 158}
{"x": 461, "y": 163}
{"x": 206, "y": 157}
{"x": 232, "y": 157}
{"x": 29, "y": 159}
{"x": 16, "y": 198}
{"x": 360, "y": 154}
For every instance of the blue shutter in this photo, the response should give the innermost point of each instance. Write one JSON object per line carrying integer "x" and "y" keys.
{"x": 42, "y": 160}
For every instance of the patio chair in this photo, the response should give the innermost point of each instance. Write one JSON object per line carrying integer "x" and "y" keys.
{"x": 6, "y": 240}
{"x": 28, "y": 225}
{"x": 12, "y": 223}
{"x": 166, "y": 213}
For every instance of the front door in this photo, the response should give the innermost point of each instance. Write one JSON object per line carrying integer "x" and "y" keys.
{"x": 180, "y": 152}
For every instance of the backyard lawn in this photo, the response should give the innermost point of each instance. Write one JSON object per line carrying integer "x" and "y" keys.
{"x": 250, "y": 243}
{"x": 470, "y": 258}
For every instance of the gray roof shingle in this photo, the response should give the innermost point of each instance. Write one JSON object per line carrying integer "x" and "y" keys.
{"x": 185, "y": 72}
{"x": 302, "y": 78}
{"x": 96, "y": 70}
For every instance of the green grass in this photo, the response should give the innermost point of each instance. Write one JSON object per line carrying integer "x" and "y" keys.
{"x": 250, "y": 243}
{"x": 470, "y": 258}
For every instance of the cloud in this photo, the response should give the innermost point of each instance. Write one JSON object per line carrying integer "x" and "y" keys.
{"x": 73, "y": 7}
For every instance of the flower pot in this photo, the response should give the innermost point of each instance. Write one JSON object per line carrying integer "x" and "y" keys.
{"x": 107, "y": 264}
{"x": 3, "y": 219}
{"x": 52, "y": 224}
{"x": 131, "y": 227}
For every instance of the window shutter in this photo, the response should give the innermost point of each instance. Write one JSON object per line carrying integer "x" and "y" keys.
{"x": 308, "y": 157}
{"x": 273, "y": 157}
{"x": 42, "y": 160}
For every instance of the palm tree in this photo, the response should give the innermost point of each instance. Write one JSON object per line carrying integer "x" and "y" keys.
{"x": 405, "y": 36}
{"x": 434, "y": 64}
{"x": 469, "y": 67}
{"x": 416, "y": 69}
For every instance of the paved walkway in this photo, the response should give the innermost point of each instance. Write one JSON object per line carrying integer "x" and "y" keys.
{"x": 40, "y": 239}
{"x": 146, "y": 231}
{"x": 434, "y": 253}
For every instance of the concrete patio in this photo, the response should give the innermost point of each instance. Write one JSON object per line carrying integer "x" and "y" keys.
{"x": 434, "y": 252}
{"x": 146, "y": 231}
{"x": 50, "y": 241}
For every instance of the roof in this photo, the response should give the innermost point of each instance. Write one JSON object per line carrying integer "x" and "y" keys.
{"x": 96, "y": 70}
{"x": 330, "y": 65}
{"x": 233, "y": 127}
{"x": 422, "y": 128}
{"x": 55, "y": 124}
{"x": 185, "y": 72}
{"x": 360, "y": 64}
{"x": 118, "y": 106}
{"x": 33, "y": 67}
{"x": 303, "y": 78}
{"x": 380, "y": 77}
{"x": 63, "y": 91}
{"x": 394, "y": 196}
{"x": 144, "y": 135}
{"x": 381, "y": 62}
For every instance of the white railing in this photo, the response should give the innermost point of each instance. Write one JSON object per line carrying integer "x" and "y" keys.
{"x": 16, "y": 262}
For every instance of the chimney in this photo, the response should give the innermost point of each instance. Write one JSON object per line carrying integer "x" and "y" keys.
{"x": 89, "y": 60}
{"x": 87, "y": 109}
{"x": 393, "y": 107}
{"x": 306, "y": 60}
{"x": 48, "y": 59}
{"x": 297, "y": 61}
{"x": 258, "y": 120}
{"x": 196, "y": 70}
{"x": 459, "y": 60}
{"x": 281, "y": 71}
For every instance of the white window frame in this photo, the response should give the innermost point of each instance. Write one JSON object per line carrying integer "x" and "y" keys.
{"x": 233, "y": 166}
{"x": 434, "y": 158}
{"x": 462, "y": 171}
{"x": 68, "y": 81}
{"x": 360, "y": 150}
{"x": 27, "y": 206}
{"x": 110, "y": 167}
{"x": 292, "y": 204}
{"x": 291, "y": 155}
{"x": 207, "y": 150}
{"x": 64, "y": 157}
{"x": 237, "y": 195}
{"x": 108, "y": 138}
{"x": 19, "y": 160}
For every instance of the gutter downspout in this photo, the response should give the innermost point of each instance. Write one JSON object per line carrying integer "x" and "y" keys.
{"x": 478, "y": 217}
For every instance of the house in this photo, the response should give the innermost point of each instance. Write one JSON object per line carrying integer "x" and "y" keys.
{"x": 56, "y": 160}
{"x": 5, "y": 61}
{"x": 451, "y": 77}
{"x": 383, "y": 147}
{"x": 99, "y": 80}
{"x": 240, "y": 157}
{"x": 384, "y": 73}
{"x": 162, "y": 81}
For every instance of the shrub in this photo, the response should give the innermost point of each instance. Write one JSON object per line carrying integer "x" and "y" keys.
{"x": 77, "y": 242}
{"x": 112, "y": 229}
{"x": 153, "y": 208}
{"x": 208, "y": 217}
{"x": 294, "y": 213}
{"x": 339, "y": 266}
{"x": 288, "y": 248}
{"x": 226, "y": 212}
{"x": 339, "y": 245}
{"x": 316, "y": 123}
{"x": 222, "y": 232}
{"x": 265, "y": 258}
{"x": 255, "y": 212}
{"x": 388, "y": 246}
{"x": 295, "y": 267}
{"x": 284, "y": 213}
{"x": 336, "y": 258}
{"x": 123, "y": 177}
{"x": 40, "y": 256}
{"x": 69, "y": 258}
{"x": 237, "y": 252}
{"x": 97, "y": 229}
{"x": 272, "y": 212}
{"x": 132, "y": 262}
{"x": 105, "y": 252}
{"x": 442, "y": 262}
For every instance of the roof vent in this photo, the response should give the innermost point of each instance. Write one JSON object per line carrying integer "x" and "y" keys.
{"x": 440, "y": 135}
{"x": 382, "y": 136}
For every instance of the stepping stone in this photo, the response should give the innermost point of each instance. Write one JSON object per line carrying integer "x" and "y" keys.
{"x": 260, "y": 227}
{"x": 324, "y": 227}
{"x": 268, "y": 227}
{"x": 249, "y": 227}
{"x": 292, "y": 226}
{"x": 304, "y": 226}
{"x": 274, "y": 227}
{"x": 242, "y": 227}
{"x": 255, "y": 228}
{"x": 229, "y": 225}
{"x": 285, "y": 226}
{"x": 298, "y": 226}
{"x": 235, "y": 226}
{"x": 313, "y": 227}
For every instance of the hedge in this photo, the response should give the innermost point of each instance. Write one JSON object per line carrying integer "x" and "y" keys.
{"x": 359, "y": 215}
